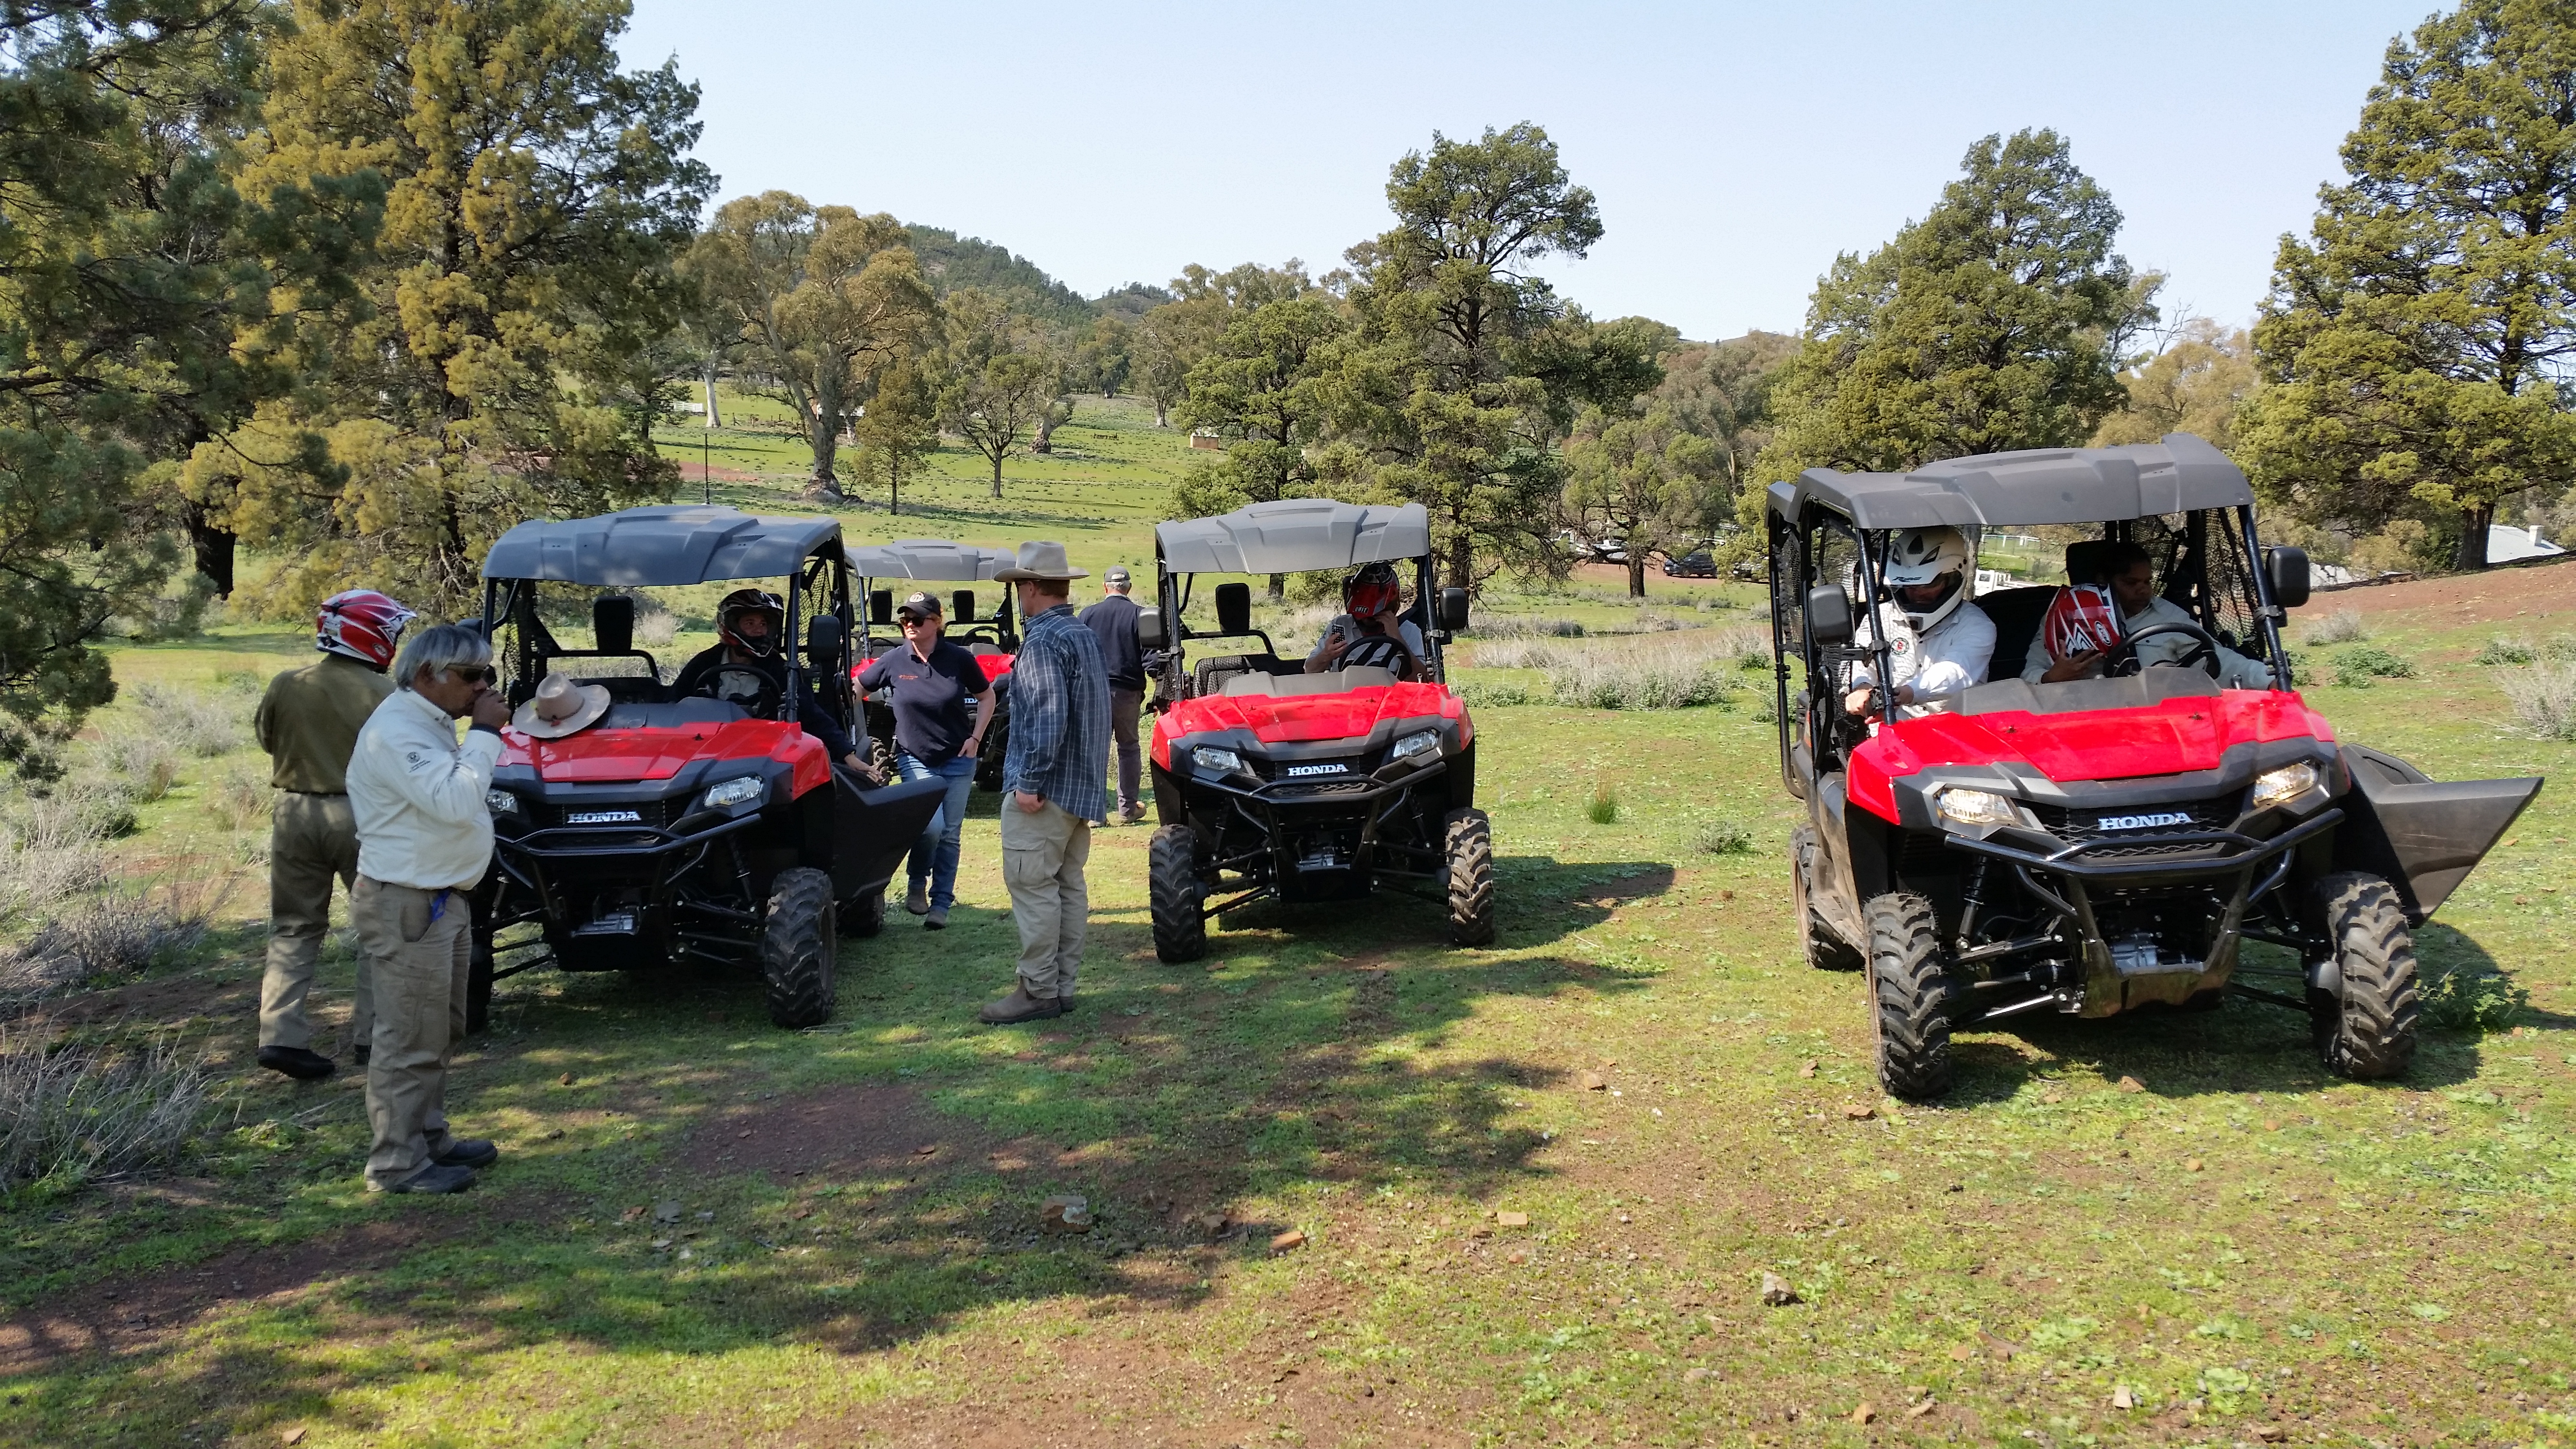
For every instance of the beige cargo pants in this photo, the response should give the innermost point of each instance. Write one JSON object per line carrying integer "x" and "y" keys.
{"x": 312, "y": 840}
{"x": 1043, "y": 854}
{"x": 420, "y": 967}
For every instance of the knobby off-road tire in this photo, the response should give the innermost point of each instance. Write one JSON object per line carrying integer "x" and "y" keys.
{"x": 797, "y": 943}
{"x": 864, "y": 916}
{"x": 1910, "y": 996}
{"x": 1825, "y": 950}
{"x": 2366, "y": 1032}
{"x": 1470, "y": 837}
{"x": 1175, "y": 895}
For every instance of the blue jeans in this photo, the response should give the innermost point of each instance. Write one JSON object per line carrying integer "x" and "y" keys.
{"x": 934, "y": 856}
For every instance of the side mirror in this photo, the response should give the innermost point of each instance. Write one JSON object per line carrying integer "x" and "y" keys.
{"x": 1829, "y": 615}
{"x": 1149, "y": 629}
{"x": 823, "y": 639}
{"x": 961, "y": 607}
{"x": 1234, "y": 609}
{"x": 612, "y": 623}
{"x": 881, "y": 606}
{"x": 2286, "y": 568}
{"x": 1453, "y": 609}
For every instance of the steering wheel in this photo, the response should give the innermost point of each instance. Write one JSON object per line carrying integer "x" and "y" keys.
{"x": 2122, "y": 659}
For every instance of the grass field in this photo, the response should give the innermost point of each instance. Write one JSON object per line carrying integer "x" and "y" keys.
{"x": 1539, "y": 1185}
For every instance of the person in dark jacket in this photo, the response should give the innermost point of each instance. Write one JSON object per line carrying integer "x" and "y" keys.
{"x": 1112, "y": 621}
{"x": 746, "y": 668}
{"x": 930, "y": 681}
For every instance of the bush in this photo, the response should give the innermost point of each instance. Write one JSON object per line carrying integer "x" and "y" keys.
{"x": 195, "y": 723}
{"x": 1525, "y": 626}
{"x": 2505, "y": 649}
{"x": 1722, "y": 837}
{"x": 80, "y": 1114}
{"x": 2560, "y": 648}
{"x": 1520, "y": 654}
{"x": 52, "y": 851}
{"x": 1604, "y": 806}
{"x": 1660, "y": 679}
{"x": 2470, "y": 999}
{"x": 2343, "y": 626}
{"x": 121, "y": 931}
{"x": 240, "y": 797}
{"x": 1478, "y": 696}
{"x": 2544, "y": 700}
{"x": 2356, "y": 668}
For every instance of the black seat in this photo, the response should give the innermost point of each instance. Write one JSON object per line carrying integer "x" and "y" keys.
{"x": 2016, "y": 614}
{"x": 1212, "y": 672}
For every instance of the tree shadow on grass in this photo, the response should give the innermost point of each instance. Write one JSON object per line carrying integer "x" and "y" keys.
{"x": 1315, "y": 1063}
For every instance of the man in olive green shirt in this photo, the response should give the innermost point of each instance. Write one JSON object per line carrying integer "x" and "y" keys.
{"x": 309, "y": 722}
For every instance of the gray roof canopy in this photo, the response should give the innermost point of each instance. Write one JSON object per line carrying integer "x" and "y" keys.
{"x": 660, "y": 547}
{"x": 1294, "y": 535}
{"x": 929, "y": 558}
{"x": 2061, "y": 485}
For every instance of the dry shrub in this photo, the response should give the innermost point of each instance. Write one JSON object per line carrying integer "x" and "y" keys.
{"x": 113, "y": 933}
{"x": 2544, "y": 700}
{"x": 83, "y": 1113}
{"x": 52, "y": 849}
{"x": 240, "y": 797}
{"x": 1527, "y": 626}
{"x": 2343, "y": 626}
{"x": 1519, "y": 653}
{"x": 198, "y": 724}
{"x": 144, "y": 760}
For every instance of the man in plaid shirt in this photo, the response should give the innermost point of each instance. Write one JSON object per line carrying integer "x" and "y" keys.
{"x": 1054, "y": 776}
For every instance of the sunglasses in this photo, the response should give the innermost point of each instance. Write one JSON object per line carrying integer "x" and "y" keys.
{"x": 473, "y": 673}
{"x": 908, "y": 620}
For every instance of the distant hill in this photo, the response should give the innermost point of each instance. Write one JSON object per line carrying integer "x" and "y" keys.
{"x": 952, "y": 261}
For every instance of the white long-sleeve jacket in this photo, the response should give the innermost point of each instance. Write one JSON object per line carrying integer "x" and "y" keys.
{"x": 418, "y": 796}
{"x": 1950, "y": 656}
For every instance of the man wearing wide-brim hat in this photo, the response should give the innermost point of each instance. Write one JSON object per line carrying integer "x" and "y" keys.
{"x": 1054, "y": 783}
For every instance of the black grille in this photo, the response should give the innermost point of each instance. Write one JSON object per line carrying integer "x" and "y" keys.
{"x": 2135, "y": 828}
{"x": 1305, "y": 789}
{"x": 1270, "y": 769}
{"x": 648, "y": 814}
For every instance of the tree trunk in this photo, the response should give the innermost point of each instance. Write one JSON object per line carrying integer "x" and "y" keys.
{"x": 714, "y": 419}
{"x": 213, "y": 546}
{"x": 1278, "y": 588}
{"x": 997, "y": 473}
{"x": 1462, "y": 560}
{"x": 1046, "y": 433}
{"x": 1162, "y": 413}
{"x": 823, "y": 435}
{"x": 2473, "y": 537}
{"x": 1636, "y": 574}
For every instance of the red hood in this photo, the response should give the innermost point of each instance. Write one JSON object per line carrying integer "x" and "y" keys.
{"x": 600, "y": 755}
{"x": 1348, "y": 715}
{"x": 2177, "y": 735}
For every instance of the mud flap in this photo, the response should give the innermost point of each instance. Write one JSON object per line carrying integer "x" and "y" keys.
{"x": 872, "y": 829}
{"x": 2423, "y": 836}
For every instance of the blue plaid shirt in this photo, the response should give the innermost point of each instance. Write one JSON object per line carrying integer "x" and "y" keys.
{"x": 1060, "y": 717}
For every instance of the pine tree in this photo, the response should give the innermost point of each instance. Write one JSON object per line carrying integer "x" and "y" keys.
{"x": 2410, "y": 344}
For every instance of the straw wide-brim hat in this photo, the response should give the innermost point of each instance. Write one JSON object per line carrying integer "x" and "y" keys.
{"x": 560, "y": 707}
{"x": 1041, "y": 561}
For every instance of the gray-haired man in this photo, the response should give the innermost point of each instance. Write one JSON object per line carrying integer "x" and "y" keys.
{"x": 424, "y": 838}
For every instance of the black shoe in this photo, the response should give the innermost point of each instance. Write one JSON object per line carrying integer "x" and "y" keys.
{"x": 468, "y": 1152}
{"x": 937, "y": 920}
{"x": 436, "y": 1179}
{"x": 298, "y": 1062}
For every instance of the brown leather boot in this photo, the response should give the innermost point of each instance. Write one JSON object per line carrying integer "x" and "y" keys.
{"x": 1019, "y": 1006}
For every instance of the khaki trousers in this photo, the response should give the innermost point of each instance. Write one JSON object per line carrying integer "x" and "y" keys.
{"x": 420, "y": 967}
{"x": 312, "y": 839}
{"x": 1042, "y": 858}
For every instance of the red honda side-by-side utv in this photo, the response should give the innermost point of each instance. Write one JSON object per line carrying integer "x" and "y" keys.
{"x": 2096, "y": 845}
{"x": 684, "y": 826}
{"x": 1272, "y": 783}
{"x": 994, "y": 639}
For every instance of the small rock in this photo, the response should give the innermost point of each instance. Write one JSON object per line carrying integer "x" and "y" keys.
{"x": 292, "y": 1436}
{"x": 2271, "y": 1126}
{"x": 926, "y": 1149}
{"x": 2132, "y": 1084}
{"x": 1963, "y": 1351}
{"x": 1776, "y": 1291}
{"x": 1956, "y": 1187}
{"x": 707, "y": 1216}
{"x": 1288, "y": 1241}
{"x": 802, "y": 1213}
{"x": 1865, "y": 1413}
{"x": 1066, "y": 1214}
{"x": 1511, "y": 1220}
{"x": 2121, "y": 1398}
{"x": 743, "y": 1135}
{"x": 1917, "y": 1411}
{"x": 1516, "y": 1256}
{"x": 1211, "y": 1223}
{"x": 661, "y": 1244}
{"x": 554, "y": 1136}
{"x": 1593, "y": 1082}
{"x": 631, "y": 1214}
{"x": 2051, "y": 1099}
{"x": 565, "y": 1079}
{"x": 1809, "y": 1070}
{"x": 667, "y": 1210}
{"x": 2192, "y": 1165}
{"x": 2270, "y": 1433}
{"x": 688, "y": 1253}
{"x": 1859, "y": 1112}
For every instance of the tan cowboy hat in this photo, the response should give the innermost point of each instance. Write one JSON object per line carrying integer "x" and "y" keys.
{"x": 1041, "y": 561}
{"x": 560, "y": 707}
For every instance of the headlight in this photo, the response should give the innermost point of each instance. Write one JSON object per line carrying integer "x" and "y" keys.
{"x": 735, "y": 791}
{"x": 500, "y": 802}
{"x": 2281, "y": 786}
{"x": 1216, "y": 760}
{"x": 1415, "y": 744}
{"x": 1976, "y": 808}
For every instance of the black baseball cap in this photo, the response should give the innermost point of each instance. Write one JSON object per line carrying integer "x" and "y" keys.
{"x": 918, "y": 606}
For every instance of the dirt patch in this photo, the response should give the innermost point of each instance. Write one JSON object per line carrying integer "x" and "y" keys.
{"x": 127, "y": 1313}
{"x": 2528, "y": 594}
{"x": 855, "y": 1131}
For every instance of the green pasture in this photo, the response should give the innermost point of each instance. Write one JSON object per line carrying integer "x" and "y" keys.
{"x": 2178, "y": 1214}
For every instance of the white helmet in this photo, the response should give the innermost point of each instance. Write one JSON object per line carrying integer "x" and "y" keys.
{"x": 1919, "y": 556}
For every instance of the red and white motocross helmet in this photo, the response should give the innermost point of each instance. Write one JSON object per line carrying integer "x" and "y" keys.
{"x": 2081, "y": 619}
{"x": 363, "y": 624}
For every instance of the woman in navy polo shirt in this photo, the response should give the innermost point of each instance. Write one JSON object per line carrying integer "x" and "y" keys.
{"x": 930, "y": 681}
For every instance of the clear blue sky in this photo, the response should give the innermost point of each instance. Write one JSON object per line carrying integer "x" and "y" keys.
{"x": 1734, "y": 148}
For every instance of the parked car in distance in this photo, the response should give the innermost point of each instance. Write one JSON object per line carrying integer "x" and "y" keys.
{"x": 1699, "y": 563}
